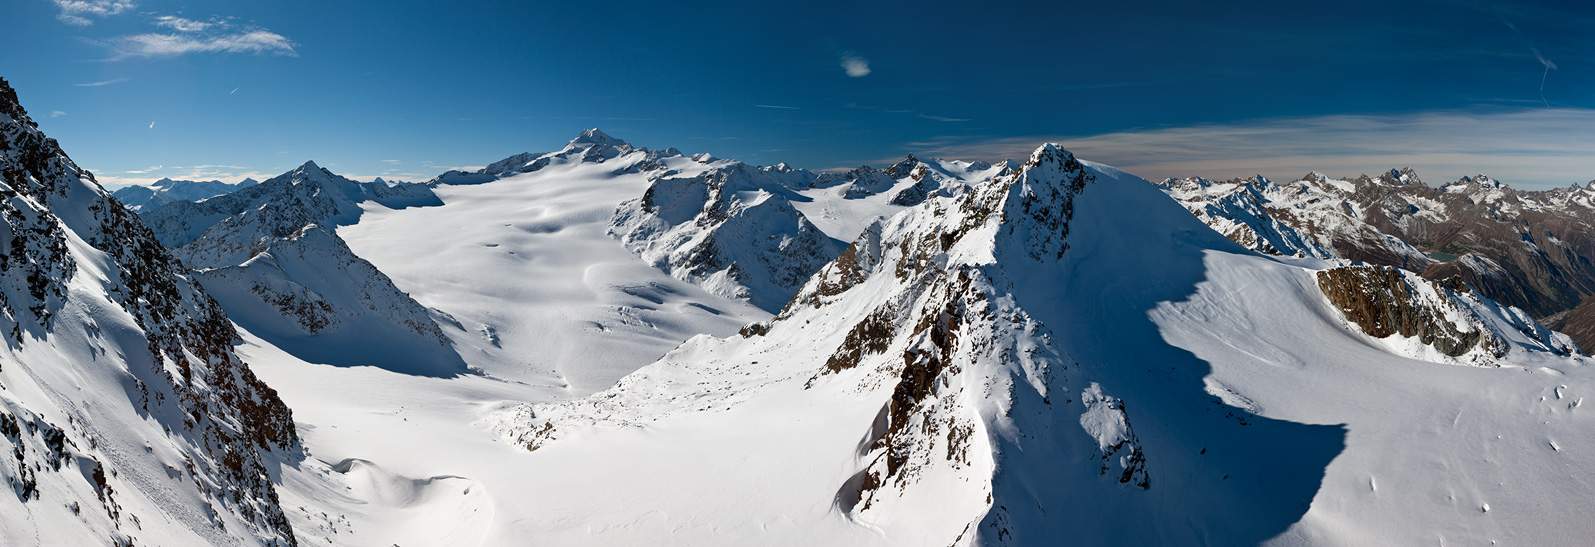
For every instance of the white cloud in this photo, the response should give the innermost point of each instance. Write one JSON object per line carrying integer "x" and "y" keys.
{"x": 98, "y": 84}
{"x": 56, "y": 113}
{"x": 777, "y": 106}
{"x": 77, "y": 12}
{"x": 1528, "y": 148}
{"x": 258, "y": 42}
{"x": 857, "y": 67}
{"x": 943, "y": 118}
{"x": 184, "y": 25}
{"x": 143, "y": 177}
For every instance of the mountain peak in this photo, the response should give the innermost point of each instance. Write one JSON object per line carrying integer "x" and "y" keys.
{"x": 596, "y": 136}
{"x": 11, "y": 106}
{"x": 1051, "y": 157}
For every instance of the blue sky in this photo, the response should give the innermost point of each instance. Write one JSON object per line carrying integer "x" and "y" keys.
{"x": 140, "y": 89}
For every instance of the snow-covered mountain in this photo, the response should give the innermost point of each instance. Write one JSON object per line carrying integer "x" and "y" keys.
{"x": 1062, "y": 352}
{"x": 1006, "y": 354}
{"x": 729, "y": 227}
{"x": 910, "y": 181}
{"x": 279, "y": 268}
{"x": 1315, "y": 216}
{"x": 127, "y": 417}
{"x": 1531, "y": 250}
{"x": 146, "y": 198}
{"x": 329, "y": 199}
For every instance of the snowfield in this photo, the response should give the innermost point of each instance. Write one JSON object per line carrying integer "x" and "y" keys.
{"x": 610, "y": 345}
{"x": 1161, "y": 354}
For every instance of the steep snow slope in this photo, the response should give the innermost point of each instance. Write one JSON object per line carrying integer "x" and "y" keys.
{"x": 281, "y": 271}
{"x": 1064, "y": 353}
{"x": 728, "y": 227}
{"x": 126, "y": 417}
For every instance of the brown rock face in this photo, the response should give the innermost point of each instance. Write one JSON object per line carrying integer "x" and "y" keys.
{"x": 1381, "y": 301}
{"x": 1533, "y": 250}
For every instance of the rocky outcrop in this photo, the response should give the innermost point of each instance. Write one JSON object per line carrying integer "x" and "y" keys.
{"x": 1530, "y": 250}
{"x": 1382, "y": 302}
{"x": 1446, "y": 315}
{"x": 130, "y": 419}
{"x": 963, "y": 374}
{"x": 729, "y": 228}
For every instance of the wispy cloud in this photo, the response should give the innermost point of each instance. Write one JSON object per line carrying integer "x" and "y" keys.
{"x": 184, "y": 25}
{"x": 777, "y": 106}
{"x": 57, "y": 113}
{"x": 78, "y": 12}
{"x": 943, "y": 118}
{"x": 98, "y": 84}
{"x": 1529, "y": 147}
{"x": 185, "y": 36}
{"x": 258, "y": 42}
{"x": 856, "y": 66}
{"x": 146, "y": 176}
{"x": 394, "y": 162}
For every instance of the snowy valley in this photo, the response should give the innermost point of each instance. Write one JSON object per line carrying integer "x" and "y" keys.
{"x": 612, "y": 345}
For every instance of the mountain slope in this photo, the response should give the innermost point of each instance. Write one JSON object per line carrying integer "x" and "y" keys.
{"x": 129, "y": 417}
{"x": 728, "y": 227}
{"x": 1531, "y": 250}
{"x": 282, "y": 272}
{"x": 1064, "y": 353}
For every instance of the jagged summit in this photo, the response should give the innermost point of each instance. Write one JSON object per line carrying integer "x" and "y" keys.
{"x": 596, "y": 136}
{"x": 1482, "y": 181}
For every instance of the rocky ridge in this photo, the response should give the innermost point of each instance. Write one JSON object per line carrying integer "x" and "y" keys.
{"x": 148, "y": 198}
{"x": 279, "y": 267}
{"x": 1527, "y": 249}
{"x": 130, "y": 419}
{"x": 961, "y": 370}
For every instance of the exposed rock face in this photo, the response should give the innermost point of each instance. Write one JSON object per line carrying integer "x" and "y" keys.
{"x": 1446, "y": 315}
{"x": 122, "y": 400}
{"x": 1531, "y": 250}
{"x": 1382, "y": 302}
{"x": 729, "y": 228}
{"x": 962, "y": 372}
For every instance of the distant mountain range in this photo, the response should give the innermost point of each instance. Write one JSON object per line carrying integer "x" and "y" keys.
{"x": 143, "y": 198}
{"x": 1531, "y": 249}
{"x": 608, "y": 344}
